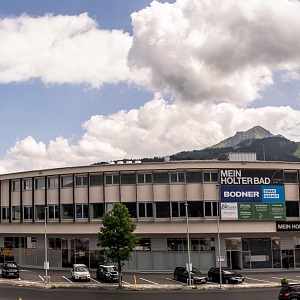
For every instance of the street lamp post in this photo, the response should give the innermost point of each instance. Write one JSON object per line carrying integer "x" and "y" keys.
{"x": 46, "y": 248}
{"x": 218, "y": 229}
{"x": 188, "y": 242}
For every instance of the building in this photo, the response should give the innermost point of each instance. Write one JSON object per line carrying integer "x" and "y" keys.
{"x": 258, "y": 226}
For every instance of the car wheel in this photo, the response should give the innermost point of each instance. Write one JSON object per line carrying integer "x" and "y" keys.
{"x": 176, "y": 277}
{"x": 88, "y": 279}
{"x": 210, "y": 278}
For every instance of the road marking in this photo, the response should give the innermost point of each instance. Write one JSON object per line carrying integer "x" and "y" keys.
{"x": 125, "y": 282}
{"x": 171, "y": 279}
{"x": 42, "y": 278}
{"x": 287, "y": 279}
{"x": 149, "y": 281}
{"x": 66, "y": 278}
{"x": 261, "y": 280}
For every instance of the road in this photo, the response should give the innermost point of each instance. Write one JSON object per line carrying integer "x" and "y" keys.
{"x": 17, "y": 293}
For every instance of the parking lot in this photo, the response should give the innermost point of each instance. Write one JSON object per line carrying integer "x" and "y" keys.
{"x": 153, "y": 278}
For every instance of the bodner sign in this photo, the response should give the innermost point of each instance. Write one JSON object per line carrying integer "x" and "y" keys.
{"x": 252, "y": 194}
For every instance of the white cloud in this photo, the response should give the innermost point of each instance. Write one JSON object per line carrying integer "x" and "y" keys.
{"x": 206, "y": 50}
{"x": 156, "y": 129}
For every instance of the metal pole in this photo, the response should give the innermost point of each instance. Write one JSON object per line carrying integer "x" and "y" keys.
{"x": 219, "y": 244}
{"x": 188, "y": 242}
{"x": 46, "y": 248}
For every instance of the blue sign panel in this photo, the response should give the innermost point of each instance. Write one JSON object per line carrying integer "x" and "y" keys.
{"x": 241, "y": 193}
{"x": 272, "y": 194}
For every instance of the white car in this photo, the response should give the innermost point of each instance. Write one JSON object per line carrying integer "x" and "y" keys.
{"x": 80, "y": 272}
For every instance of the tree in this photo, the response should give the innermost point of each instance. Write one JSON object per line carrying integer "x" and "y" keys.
{"x": 116, "y": 237}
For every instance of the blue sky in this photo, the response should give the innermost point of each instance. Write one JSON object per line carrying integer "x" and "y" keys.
{"x": 83, "y": 81}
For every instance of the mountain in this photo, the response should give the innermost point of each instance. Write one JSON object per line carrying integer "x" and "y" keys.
{"x": 255, "y": 140}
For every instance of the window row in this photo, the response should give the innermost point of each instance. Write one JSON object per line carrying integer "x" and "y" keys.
{"x": 112, "y": 179}
{"x": 195, "y": 209}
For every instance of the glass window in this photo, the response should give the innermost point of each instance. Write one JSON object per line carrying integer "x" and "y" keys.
{"x": 96, "y": 179}
{"x": 195, "y": 209}
{"x": 82, "y": 211}
{"x": 40, "y": 212}
{"x": 193, "y": 177}
{"x": 162, "y": 209}
{"x": 97, "y": 210}
{"x": 291, "y": 177}
{"x": 210, "y": 176}
{"x": 161, "y": 177}
{"x": 16, "y": 213}
{"x": 211, "y": 208}
{"x": 54, "y": 243}
{"x": 52, "y": 182}
{"x": 53, "y": 212}
{"x": 15, "y": 185}
{"x": 131, "y": 206}
{"x": 177, "y": 177}
{"x": 66, "y": 181}
{"x": 143, "y": 244}
{"x": 112, "y": 179}
{"x": 146, "y": 210}
{"x": 67, "y": 211}
{"x": 292, "y": 208}
{"x": 144, "y": 178}
{"x": 5, "y": 213}
{"x": 27, "y": 212}
{"x": 178, "y": 209}
{"x": 81, "y": 180}
{"x": 128, "y": 179}
{"x": 39, "y": 183}
{"x": 27, "y": 184}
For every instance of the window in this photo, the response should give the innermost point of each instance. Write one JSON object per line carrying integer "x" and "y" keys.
{"x": 53, "y": 212}
{"x": 27, "y": 184}
{"x": 290, "y": 177}
{"x": 128, "y": 179}
{"x": 39, "y": 183}
{"x": 54, "y": 243}
{"x": 15, "y": 185}
{"x": 82, "y": 211}
{"x": 16, "y": 213}
{"x": 211, "y": 208}
{"x": 96, "y": 179}
{"x": 210, "y": 176}
{"x": 178, "y": 209}
{"x": 131, "y": 206}
{"x": 177, "y": 177}
{"x": 143, "y": 244}
{"x": 144, "y": 178}
{"x": 161, "y": 177}
{"x": 193, "y": 177}
{"x": 146, "y": 210}
{"x": 67, "y": 211}
{"x": 162, "y": 209}
{"x": 195, "y": 209}
{"x": 66, "y": 181}
{"x": 197, "y": 244}
{"x": 40, "y": 212}
{"x": 97, "y": 210}
{"x": 27, "y": 213}
{"x": 112, "y": 179}
{"x": 53, "y": 183}
{"x": 292, "y": 208}
{"x": 81, "y": 180}
{"x": 5, "y": 213}
{"x": 175, "y": 244}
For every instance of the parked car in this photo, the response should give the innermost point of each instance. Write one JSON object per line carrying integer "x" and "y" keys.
{"x": 182, "y": 274}
{"x": 10, "y": 268}
{"x": 228, "y": 275}
{"x": 80, "y": 272}
{"x": 289, "y": 292}
{"x": 107, "y": 273}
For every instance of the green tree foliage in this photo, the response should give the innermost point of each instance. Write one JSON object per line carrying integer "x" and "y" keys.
{"x": 116, "y": 237}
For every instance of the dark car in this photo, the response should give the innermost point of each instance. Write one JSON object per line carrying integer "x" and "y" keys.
{"x": 289, "y": 292}
{"x": 182, "y": 274}
{"x": 228, "y": 275}
{"x": 10, "y": 268}
{"x": 107, "y": 273}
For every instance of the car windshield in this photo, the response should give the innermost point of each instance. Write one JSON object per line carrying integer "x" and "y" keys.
{"x": 81, "y": 269}
{"x": 11, "y": 265}
{"x": 111, "y": 269}
{"x": 195, "y": 270}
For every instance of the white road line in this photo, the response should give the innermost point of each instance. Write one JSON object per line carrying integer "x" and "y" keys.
{"x": 125, "y": 282}
{"x": 171, "y": 279}
{"x": 149, "y": 281}
{"x": 42, "y": 278}
{"x": 287, "y": 279}
{"x": 261, "y": 280}
{"x": 96, "y": 281}
{"x": 66, "y": 278}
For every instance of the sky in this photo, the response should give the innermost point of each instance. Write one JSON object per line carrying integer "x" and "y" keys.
{"x": 87, "y": 81}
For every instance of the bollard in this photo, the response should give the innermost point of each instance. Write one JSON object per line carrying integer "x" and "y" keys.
{"x": 134, "y": 280}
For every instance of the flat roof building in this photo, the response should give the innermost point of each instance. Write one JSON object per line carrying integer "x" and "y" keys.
{"x": 249, "y": 208}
